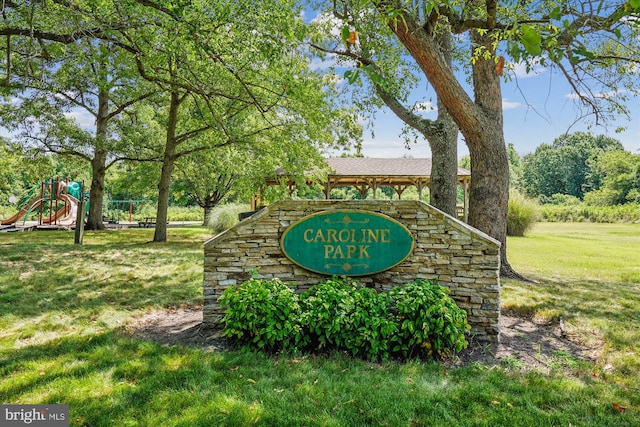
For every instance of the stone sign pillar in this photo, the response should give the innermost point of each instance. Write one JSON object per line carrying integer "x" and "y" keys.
{"x": 385, "y": 243}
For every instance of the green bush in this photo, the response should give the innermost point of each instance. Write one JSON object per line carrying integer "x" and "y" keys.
{"x": 418, "y": 319}
{"x": 341, "y": 314}
{"x": 521, "y": 215}
{"x": 141, "y": 211}
{"x": 263, "y": 314}
{"x": 185, "y": 213}
{"x": 429, "y": 321}
{"x": 559, "y": 199}
{"x": 602, "y": 197}
{"x": 225, "y": 216}
{"x": 633, "y": 196}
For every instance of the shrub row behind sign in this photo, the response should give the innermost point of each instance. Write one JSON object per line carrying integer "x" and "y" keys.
{"x": 418, "y": 319}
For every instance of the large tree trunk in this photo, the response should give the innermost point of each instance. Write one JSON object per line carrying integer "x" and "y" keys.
{"x": 96, "y": 193}
{"x": 168, "y": 165}
{"x": 444, "y": 163}
{"x": 442, "y": 136}
{"x": 480, "y": 122}
{"x": 489, "y": 193}
{"x": 443, "y": 141}
{"x": 98, "y": 165}
{"x": 207, "y": 211}
{"x": 444, "y": 150}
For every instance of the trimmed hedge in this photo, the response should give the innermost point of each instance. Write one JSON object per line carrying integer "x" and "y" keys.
{"x": 419, "y": 319}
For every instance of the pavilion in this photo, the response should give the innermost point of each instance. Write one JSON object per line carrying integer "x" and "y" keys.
{"x": 366, "y": 174}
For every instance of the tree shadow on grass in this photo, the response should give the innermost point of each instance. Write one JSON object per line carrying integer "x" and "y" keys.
{"x": 111, "y": 379}
{"x": 114, "y": 379}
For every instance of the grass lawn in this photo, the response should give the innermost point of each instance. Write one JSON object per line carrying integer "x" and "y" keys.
{"x": 62, "y": 340}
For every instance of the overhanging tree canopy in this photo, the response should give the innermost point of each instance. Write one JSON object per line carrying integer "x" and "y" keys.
{"x": 586, "y": 40}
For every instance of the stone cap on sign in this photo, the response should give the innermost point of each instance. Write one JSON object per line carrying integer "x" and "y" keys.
{"x": 307, "y": 206}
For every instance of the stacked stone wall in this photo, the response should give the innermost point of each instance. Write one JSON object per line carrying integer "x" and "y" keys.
{"x": 462, "y": 259}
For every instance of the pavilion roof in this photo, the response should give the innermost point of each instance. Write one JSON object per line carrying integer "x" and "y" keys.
{"x": 379, "y": 167}
{"x": 366, "y": 173}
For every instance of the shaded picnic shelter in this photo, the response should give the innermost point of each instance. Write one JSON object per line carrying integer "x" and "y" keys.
{"x": 364, "y": 174}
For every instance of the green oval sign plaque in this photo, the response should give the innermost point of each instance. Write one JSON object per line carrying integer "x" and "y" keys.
{"x": 347, "y": 242}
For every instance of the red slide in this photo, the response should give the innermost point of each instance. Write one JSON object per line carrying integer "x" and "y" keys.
{"x": 22, "y": 212}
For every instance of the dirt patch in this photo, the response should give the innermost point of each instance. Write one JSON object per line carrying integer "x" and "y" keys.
{"x": 524, "y": 342}
{"x": 182, "y": 326}
{"x": 531, "y": 343}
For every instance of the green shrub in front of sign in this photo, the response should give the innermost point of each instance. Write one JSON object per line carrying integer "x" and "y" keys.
{"x": 263, "y": 314}
{"x": 429, "y": 321}
{"x": 341, "y": 314}
{"x": 416, "y": 320}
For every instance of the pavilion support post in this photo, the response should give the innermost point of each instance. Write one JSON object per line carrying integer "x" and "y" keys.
{"x": 420, "y": 185}
{"x": 466, "y": 201}
{"x": 399, "y": 189}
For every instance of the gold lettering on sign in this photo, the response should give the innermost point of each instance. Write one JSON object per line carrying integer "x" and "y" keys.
{"x": 346, "y": 251}
{"x": 347, "y": 244}
{"x": 332, "y": 235}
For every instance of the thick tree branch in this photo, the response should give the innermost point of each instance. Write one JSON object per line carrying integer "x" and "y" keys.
{"x": 426, "y": 126}
{"x": 120, "y": 108}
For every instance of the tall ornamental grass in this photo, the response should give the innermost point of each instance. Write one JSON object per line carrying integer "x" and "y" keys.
{"x": 521, "y": 215}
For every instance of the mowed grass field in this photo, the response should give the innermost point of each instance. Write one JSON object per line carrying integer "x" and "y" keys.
{"x": 64, "y": 308}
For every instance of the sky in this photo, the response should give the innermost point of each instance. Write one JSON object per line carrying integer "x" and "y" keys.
{"x": 537, "y": 108}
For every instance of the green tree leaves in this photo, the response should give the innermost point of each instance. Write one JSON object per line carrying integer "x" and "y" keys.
{"x": 531, "y": 40}
{"x": 564, "y": 167}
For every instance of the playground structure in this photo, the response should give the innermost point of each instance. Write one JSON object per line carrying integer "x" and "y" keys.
{"x": 55, "y": 201}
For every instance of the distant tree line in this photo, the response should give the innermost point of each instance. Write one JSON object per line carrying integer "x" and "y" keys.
{"x": 594, "y": 169}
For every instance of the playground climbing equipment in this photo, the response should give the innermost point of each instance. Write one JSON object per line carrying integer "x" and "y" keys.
{"x": 54, "y": 201}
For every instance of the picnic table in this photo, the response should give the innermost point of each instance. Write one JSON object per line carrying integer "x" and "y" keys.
{"x": 149, "y": 221}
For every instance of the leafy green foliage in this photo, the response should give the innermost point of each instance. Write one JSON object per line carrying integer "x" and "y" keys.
{"x": 262, "y": 313}
{"x": 418, "y": 319}
{"x": 619, "y": 172}
{"x": 559, "y": 199}
{"x": 429, "y": 321}
{"x": 339, "y": 313}
{"x": 521, "y": 215}
{"x": 565, "y": 166}
{"x": 531, "y": 40}
{"x": 582, "y": 212}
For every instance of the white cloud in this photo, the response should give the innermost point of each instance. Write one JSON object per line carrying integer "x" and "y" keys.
{"x": 82, "y": 118}
{"x": 519, "y": 69}
{"x": 600, "y": 95}
{"x": 426, "y": 106}
{"x": 319, "y": 64}
{"x": 510, "y": 105}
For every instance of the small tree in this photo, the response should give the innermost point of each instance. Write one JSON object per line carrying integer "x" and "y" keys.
{"x": 619, "y": 173}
